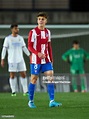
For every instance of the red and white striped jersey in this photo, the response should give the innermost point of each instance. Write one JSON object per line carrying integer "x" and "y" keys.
{"x": 40, "y": 41}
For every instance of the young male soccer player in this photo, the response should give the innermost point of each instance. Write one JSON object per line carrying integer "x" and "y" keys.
{"x": 76, "y": 56}
{"x": 15, "y": 46}
{"x": 39, "y": 44}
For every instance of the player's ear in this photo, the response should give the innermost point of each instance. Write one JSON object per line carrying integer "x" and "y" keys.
{"x": 11, "y": 29}
{"x": 46, "y": 20}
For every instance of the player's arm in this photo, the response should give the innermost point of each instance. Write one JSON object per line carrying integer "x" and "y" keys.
{"x": 86, "y": 55}
{"x": 3, "y": 53}
{"x": 50, "y": 47}
{"x": 31, "y": 42}
{"x": 26, "y": 50}
{"x": 50, "y": 51}
{"x": 65, "y": 56}
{"x": 31, "y": 39}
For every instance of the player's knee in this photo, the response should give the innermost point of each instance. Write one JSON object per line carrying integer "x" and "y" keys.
{"x": 48, "y": 73}
{"x": 23, "y": 74}
{"x": 12, "y": 76}
{"x": 33, "y": 80}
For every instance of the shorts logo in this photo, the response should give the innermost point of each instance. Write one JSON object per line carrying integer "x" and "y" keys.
{"x": 35, "y": 71}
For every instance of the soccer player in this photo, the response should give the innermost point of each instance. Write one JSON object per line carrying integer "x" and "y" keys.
{"x": 15, "y": 46}
{"x": 76, "y": 56}
{"x": 39, "y": 44}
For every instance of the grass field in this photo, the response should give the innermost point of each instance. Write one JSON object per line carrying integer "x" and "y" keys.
{"x": 75, "y": 106}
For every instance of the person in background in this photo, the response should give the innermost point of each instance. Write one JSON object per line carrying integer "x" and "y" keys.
{"x": 15, "y": 46}
{"x": 76, "y": 57}
{"x": 39, "y": 44}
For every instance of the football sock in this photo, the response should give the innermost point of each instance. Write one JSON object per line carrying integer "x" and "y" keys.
{"x": 50, "y": 88}
{"x": 13, "y": 83}
{"x": 24, "y": 84}
{"x": 74, "y": 83}
{"x": 31, "y": 89}
{"x": 83, "y": 83}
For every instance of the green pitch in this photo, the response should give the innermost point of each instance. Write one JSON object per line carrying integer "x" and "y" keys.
{"x": 75, "y": 106}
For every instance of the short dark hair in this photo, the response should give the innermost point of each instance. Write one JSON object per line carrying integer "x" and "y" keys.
{"x": 75, "y": 42}
{"x": 43, "y": 14}
{"x": 13, "y": 25}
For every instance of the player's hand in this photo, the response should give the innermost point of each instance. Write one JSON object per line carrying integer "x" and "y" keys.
{"x": 41, "y": 55}
{"x": 2, "y": 63}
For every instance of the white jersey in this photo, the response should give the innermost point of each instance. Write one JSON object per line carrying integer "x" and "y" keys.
{"x": 14, "y": 47}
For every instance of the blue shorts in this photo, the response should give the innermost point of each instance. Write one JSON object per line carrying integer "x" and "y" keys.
{"x": 37, "y": 68}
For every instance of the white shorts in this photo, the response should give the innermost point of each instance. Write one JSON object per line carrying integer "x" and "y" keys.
{"x": 17, "y": 67}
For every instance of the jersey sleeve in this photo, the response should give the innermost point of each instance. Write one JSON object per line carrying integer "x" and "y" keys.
{"x": 31, "y": 38}
{"x": 65, "y": 56}
{"x": 5, "y": 44}
{"x": 26, "y": 51}
{"x": 50, "y": 51}
{"x": 49, "y": 40}
{"x": 86, "y": 55}
{"x": 49, "y": 46}
{"x": 23, "y": 42}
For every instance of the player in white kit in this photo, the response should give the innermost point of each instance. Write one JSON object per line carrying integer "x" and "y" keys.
{"x": 15, "y": 46}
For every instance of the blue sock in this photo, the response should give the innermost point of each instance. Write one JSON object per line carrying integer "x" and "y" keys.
{"x": 31, "y": 89}
{"x": 51, "y": 91}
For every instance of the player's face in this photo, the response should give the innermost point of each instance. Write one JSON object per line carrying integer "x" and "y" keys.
{"x": 41, "y": 21}
{"x": 76, "y": 46}
{"x": 15, "y": 30}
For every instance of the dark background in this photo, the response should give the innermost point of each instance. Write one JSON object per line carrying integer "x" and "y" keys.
{"x": 79, "y": 5}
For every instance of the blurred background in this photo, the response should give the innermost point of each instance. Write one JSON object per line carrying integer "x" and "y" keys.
{"x": 59, "y": 11}
{"x": 68, "y": 20}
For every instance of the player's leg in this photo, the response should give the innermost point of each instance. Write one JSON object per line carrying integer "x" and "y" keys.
{"x": 23, "y": 79}
{"x": 48, "y": 71}
{"x": 13, "y": 82}
{"x": 74, "y": 80}
{"x": 13, "y": 79}
{"x": 35, "y": 69}
{"x": 83, "y": 81}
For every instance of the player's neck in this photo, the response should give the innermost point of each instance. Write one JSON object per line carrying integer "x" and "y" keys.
{"x": 77, "y": 48}
{"x": 41, "y": 27}
{"x": 14, "y": 35}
